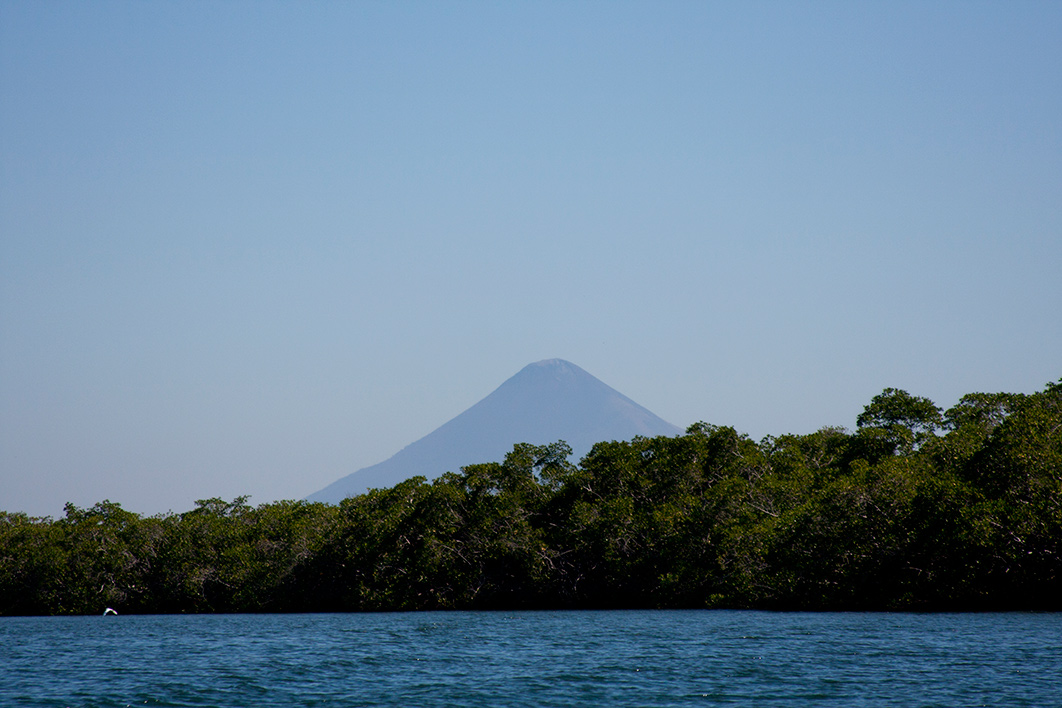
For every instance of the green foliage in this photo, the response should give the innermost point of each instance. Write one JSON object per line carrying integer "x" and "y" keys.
{"x": 892, "y": 516}
{"x": 907, "y": 421}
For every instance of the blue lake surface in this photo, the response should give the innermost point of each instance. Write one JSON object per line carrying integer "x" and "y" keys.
{"x": 635, "y": 658}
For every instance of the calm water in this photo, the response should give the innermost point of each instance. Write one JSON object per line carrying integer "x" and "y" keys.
{"x": 533, "y": 659}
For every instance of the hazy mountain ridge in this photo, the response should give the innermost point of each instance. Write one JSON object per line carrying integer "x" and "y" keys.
{"x": 544, "y": 402}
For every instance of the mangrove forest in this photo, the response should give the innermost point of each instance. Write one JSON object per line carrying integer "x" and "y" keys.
{"x": 917, "y": 509}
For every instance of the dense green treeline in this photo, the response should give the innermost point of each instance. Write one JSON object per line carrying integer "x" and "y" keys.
{"x": 918, "y": 509}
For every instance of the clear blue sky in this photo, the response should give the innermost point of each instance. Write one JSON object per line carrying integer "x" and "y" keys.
{"x": 250, "y": 247}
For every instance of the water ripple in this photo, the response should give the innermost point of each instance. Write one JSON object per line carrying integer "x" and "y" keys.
{"x": 533, "y": 659}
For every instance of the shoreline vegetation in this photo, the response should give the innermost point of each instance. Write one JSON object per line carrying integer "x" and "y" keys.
{"x": 918, "y": 509}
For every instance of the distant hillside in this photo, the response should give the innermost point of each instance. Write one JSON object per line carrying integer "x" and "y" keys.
{"x": 544, "y": 402}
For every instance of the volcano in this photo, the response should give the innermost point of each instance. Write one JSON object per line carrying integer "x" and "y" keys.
{"x": 544, "y": 402}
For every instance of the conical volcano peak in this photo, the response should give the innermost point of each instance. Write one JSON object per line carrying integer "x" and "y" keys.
{"x": 546, "y": 401}
{"x": 558, "y": 364}
{"x": 556, "y": 368}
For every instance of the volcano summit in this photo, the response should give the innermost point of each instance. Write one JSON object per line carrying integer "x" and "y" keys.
{"x": 544, "y": 402}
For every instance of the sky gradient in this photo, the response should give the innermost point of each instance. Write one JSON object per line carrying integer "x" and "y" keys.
{"x": 249, "y": 248}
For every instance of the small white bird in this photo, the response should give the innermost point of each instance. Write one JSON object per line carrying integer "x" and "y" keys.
{"x": 109, "y": 611}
